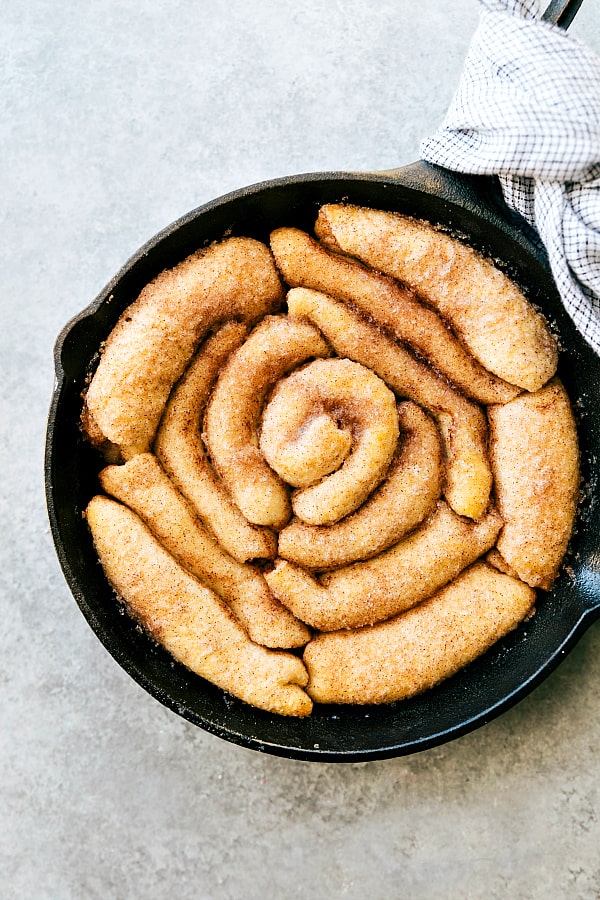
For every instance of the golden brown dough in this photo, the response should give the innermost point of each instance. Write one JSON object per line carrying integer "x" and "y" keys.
{"x": 355, "y": 401}
{"x": 303, "y": 262}
{"x": 421, "y": 647}
{"x": 495, "y": 559}
{"x": 189, "y": 619}
{"x": 399, "y": 504}
{"x": 154, "y": 339}
{"x": 180, "y": 449}
{"x": 300, "y": 440}
{"x": 275, "y": 347}
{"x": 143, "y": 486}
{"x": 485, "y": 308}
{"x": 373, "y": 590}
{"x": 462, "y": 424}
{"x": 535, "y": 460}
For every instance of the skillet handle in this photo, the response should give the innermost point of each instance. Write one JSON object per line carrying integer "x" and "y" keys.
{"x": 472, "y": 191}
{"x": 561, "y": 12}
{"x": 480, "y": 194}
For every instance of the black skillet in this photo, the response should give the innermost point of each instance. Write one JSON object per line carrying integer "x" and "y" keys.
{"x": 472, "y": 209}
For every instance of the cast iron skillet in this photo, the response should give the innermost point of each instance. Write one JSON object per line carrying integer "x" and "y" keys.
{"x": 470, "y": 208}
{"x": 488, "y": 686}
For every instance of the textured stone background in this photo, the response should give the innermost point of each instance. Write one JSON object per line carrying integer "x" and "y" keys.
{"x": 117, "y": 117}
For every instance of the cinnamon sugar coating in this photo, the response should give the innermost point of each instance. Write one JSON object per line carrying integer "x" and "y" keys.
{"x": 304, "y": 262}
{"x": 483, "y": 306}
{"x": 143, "y": 486}
{"x": 189, "y": 619}
{"x": 535, "y": 459}
{"x": 406, "y": 496}
{"x": 416, "y": 650}
{"x": 154, "y": 339}
{"x": 401, "y": 577}
{"x": 180, "y": 448}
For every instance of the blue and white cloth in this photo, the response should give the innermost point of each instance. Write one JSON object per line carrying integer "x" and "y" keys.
{"x": 528, "y": 110}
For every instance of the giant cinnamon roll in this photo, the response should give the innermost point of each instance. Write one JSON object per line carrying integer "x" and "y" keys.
{"x": 308, "y": 453}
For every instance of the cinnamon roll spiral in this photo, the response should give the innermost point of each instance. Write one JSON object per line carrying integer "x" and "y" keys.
{"x": 315, "y": 445}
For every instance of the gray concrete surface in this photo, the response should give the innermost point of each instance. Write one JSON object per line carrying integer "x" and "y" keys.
{"x": 117, "y": 118}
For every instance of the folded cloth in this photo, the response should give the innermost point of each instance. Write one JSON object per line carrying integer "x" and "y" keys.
{"x": 528, "y": 110}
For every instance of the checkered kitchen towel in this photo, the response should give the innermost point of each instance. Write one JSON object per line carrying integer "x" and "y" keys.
{"x": 528, "y": 109}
